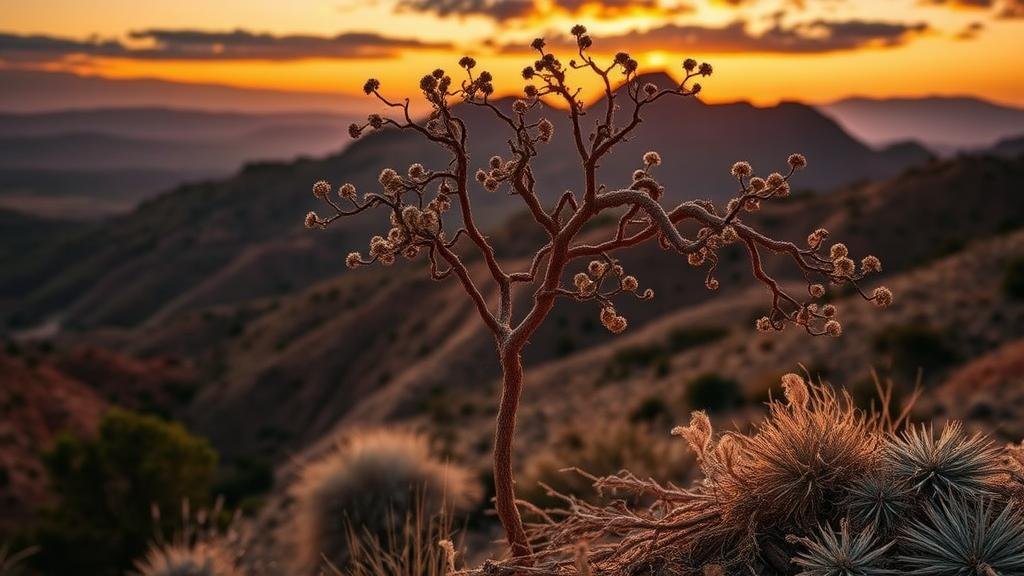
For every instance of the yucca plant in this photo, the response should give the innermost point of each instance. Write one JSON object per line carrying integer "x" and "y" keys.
{"x": 959, "y": 537}
{"x": 954, "y": 464}
{"x": 840, "y": 554}
{"x": 879, "y": 500}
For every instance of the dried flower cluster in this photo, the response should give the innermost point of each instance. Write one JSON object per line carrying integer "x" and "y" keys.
{"x": 904, "y": 500}
{"x": 430, "y": 212}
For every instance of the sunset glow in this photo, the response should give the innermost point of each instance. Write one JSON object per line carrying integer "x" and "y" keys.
{"x": 762, "y": 51}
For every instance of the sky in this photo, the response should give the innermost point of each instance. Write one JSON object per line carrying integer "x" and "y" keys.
{"x": 763, "y": 51}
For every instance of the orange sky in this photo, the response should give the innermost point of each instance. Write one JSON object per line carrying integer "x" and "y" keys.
{"x": 933, "y": 59}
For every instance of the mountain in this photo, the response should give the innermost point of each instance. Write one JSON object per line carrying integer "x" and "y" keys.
{"x": 225, "y": 241}
{"x": 33, "y": 91}
{"x": 98, "y": 162}
{"x": 944, "y": 124}
{"x": 1009, "y": 147}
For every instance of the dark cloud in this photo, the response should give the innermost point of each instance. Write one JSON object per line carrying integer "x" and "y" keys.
{"x": 971, "y": 31}
{"x": 1011, "y": 9}
{"x": 202, "y": 45}
{"x": 814, "y": 36}
{"x": 502, "y": 10}
{"x": 977, "y": 4}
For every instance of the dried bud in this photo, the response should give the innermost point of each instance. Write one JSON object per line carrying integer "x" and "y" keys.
{"x": 741, "y": 170}
{"x": 321, "y": 189}
{"x": 775, "y": 179}
{"x": 695, "y": 258}
{"x": 729, "y": 235}
{"x": 537, "y": 44}
{"x": 580, "y": 280}
{"x": 519, "y": 106}
{"x": 371, "y": 85}
{"x": 882, "y": 297}
{"x": 838, "y": 251}
{"x": 711, "y": 284}
{"x": 816, "y": 290}
{"x": 312, "y": 220}
{"x": 697, "y": 434}
{"x": 689, "y": 64}
{"x": 650, "y": 89}
{"x": 795, "y": 390}
{"x": 833, "y": 328}
{"x": 870, "y": 264}
{"x": 354, "y": 130}
{"x": 829, "y": 311}
{"x": 467, "y": 62}
{"x": 763, "y": 324}
{"x": 815, "y": 238}
{"x": 652, "y": 158}
{"x": 417, "y": 171}
{"x": 596, "y": 268}
{"x": 797, "y": 161}
{"x": 630, "y": 284}
{"x": 353, "y": 260}
{"x": 347, "y": 190}
{"x": 490, "y": 184}
{"x": 757, "y": 184}
{"x": 843, "y": 266}
{"x": 387, "y": 176}
{"x": 578, "y": 30}
{"x": 546, "y": 130}
{"x": 705, "y": 69}
{"x": 752, "y": 204}
{"x": 495, "y": 162}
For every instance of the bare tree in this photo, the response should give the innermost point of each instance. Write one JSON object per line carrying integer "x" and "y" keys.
{"x": 417, "y": 225}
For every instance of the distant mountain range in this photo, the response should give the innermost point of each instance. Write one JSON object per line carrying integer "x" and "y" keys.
{"x": 31, "y": 91}
{"x": 90, "y": 163}
{"x": 224, "y": 241}
{"x": 943, "y": 124}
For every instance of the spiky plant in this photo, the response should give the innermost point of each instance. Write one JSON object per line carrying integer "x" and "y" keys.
{"x": 954, "y": 464}
{"x": 799, "y": 464}
{"x": 201, "y": 559}
{"x": 368, "y": 484}
{"x": 879, "y": 500}
{"x": 959, "y": 537}
{"x": 832, "y": 554}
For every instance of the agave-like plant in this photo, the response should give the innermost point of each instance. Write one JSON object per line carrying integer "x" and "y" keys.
{"x": 879, "y": 500}
{"x": 958, "y": 537}
{"x": 955, "y": 464}
{"x": 832, "y": 554}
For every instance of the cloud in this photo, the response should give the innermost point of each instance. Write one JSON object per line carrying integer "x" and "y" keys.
{"x": 502, "y": 10}
{"x": 203, "y": 45}
{"x": 970, "y": 31}
{"x": 1011, "y": 9}
{"x": 816, "y": 36}
{"x": 968, "y": 4}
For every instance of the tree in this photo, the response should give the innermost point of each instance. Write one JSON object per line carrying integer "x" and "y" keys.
{"x": 417, "y": 225}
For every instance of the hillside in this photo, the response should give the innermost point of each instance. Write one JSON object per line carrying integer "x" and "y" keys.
{"x": 241, "y": 237}
{"x": 306, "y": 361}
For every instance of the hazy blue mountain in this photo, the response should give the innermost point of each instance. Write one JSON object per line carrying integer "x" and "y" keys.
{"x": 944, "y": 124}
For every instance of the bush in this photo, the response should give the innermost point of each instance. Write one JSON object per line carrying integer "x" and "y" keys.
{"x": 369, "y": 484}
{"x": 107, "y": 487}
{"x": 713, "y": 393}
{"x": 1013, "y": 279}
{"x": 818, "y": 482}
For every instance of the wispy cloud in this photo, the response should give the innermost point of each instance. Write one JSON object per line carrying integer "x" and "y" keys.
{"x": 815, "y": 36}
{"x": 204, "y": 45}
{"x": 502, "y": 10}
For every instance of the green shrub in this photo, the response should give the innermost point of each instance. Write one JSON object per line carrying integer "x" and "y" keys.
{"x": 107, "y": 487}
{"x": 1013, "y": 279}
{"x": 713, "y": 393}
